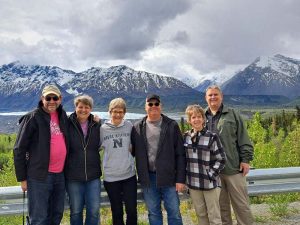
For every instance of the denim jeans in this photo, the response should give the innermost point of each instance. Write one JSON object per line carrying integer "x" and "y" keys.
{"x": 153, "y": 197}
{"x": 119, "y": 191}
{"x": 46, "y": 199}
{"x": 84, "y": 193}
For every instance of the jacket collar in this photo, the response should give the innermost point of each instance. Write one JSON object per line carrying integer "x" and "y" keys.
{"x": 73, "y": 117}
{"x": 224, "y": 109}
{"x": 165, "y": 119}
{"x": 40, "y": 107}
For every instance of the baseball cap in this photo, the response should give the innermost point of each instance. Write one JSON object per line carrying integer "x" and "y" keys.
{"x": 51, "y": 89}
{"x": 151, "y": 97}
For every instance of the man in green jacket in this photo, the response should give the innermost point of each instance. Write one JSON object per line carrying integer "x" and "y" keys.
{"x": 239, "y": 152}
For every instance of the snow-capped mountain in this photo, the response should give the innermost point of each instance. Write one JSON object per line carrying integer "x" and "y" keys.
{"x": 190, "y": 81}
{"x": 215, "y": 78}
{"x": 18, "y": 78}
{"x": 124, "y": 80}
{"x": 21, "y": 85}
{"x": 275, "y": 75}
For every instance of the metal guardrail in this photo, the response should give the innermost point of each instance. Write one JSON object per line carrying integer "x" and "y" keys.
{"x": 11, "y": 200}
{"x": 273, "y": 181}
{"x": 260, "y": 182}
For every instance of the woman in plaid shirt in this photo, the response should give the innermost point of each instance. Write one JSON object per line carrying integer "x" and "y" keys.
{"x": 205, "y": 158}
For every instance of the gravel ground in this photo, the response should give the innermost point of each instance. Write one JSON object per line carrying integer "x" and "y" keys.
{"x": 260, "y": 212}
{"x": 263, "y": 216}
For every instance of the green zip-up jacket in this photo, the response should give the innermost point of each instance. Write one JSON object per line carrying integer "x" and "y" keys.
{"x": 235, "y": 140}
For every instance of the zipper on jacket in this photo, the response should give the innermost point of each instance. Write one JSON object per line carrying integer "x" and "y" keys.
{"x": 85, "y": 169}
{"x": 84, "y": 144}
{"x": 85, "y": 147}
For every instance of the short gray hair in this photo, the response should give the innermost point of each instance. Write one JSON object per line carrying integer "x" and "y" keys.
{"x": 214, "y": 87}
{"x": 117, "y": 103}
{"x": 84, "y": 99}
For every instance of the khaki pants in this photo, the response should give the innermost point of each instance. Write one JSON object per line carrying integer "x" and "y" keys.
{"x": 207, "y": 206}
{"x": 234, "y": 190}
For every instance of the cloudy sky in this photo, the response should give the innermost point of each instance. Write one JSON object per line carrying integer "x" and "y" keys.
{"x": 169, "y": 37}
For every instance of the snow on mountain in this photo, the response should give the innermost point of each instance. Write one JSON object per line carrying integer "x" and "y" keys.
{"x": 27, "y": 81}
{"x": 20, "y": 85}
{"x": 122, "y": 79}
{"x": 217, "y": 78}
{"x": 116, "y": 78}
{"x": 280, "y": 64}
{"x": 273, "y": 75}
{"x": 190, "y": 81}
{"x": 17, "y": 78}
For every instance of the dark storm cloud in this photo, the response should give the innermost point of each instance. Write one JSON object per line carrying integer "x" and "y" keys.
{"x": 236, "y": 32}
{"x": 175, "y": 37}
{"x": 133, "y": 30}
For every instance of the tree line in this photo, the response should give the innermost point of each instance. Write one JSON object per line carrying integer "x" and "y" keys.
{"x": 275, "y": 138}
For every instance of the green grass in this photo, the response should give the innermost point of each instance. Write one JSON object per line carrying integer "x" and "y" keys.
{"x": 186, "y": 208}
{"x": 10, "y": 220}
{"x": 278, "y": 206}
{"x": 261, "y": 219}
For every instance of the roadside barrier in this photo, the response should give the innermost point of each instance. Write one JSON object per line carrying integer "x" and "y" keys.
{"x": 260, "y": 182}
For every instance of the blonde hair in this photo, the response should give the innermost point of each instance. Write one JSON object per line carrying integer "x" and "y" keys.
{"x": 194, "y": 109}
{"x": 84, "y": 99}
{"x": 117, "y": 103}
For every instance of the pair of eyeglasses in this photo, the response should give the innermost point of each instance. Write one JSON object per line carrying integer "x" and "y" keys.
{"x": 117, "y": 112}
{"x": 152, "y": 104}
{"x": 54, "y": 98}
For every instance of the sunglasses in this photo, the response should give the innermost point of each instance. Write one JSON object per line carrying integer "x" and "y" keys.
{"x": 152, "y": 104}
{"x": 54, "y": 98}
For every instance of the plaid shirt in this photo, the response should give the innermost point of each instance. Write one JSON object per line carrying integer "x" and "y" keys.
{"x": 205, "y": 158}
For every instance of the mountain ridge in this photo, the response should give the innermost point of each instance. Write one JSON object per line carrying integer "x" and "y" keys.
{"x": 267, "y": 75}
{"x": 21, "y": 85}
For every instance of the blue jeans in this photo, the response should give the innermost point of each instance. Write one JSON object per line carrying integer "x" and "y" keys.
{"x": 46, "y": 199}
{"x": 153, "y": 197}
{"x": 84, "y": 193}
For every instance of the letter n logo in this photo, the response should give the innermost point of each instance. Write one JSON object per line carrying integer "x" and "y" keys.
{"x": 117, "y": 143}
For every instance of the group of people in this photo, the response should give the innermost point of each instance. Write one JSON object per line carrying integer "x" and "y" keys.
{"x": 55, "y": 153}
